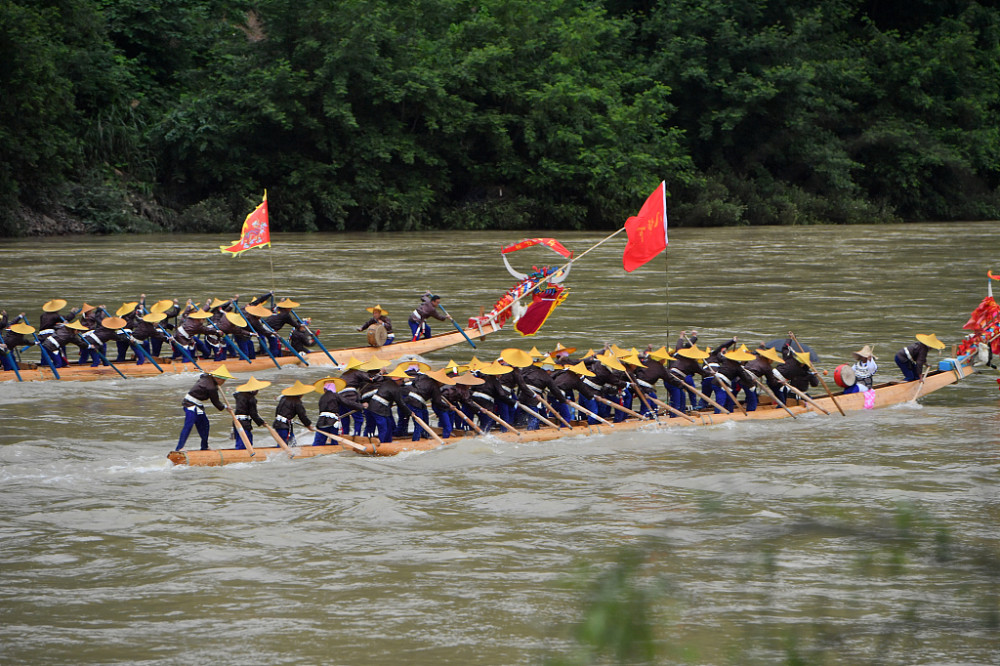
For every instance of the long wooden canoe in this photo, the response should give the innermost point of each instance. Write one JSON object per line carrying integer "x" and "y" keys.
{"x": 887, "y": 394}
{"x": 35, "y": 372}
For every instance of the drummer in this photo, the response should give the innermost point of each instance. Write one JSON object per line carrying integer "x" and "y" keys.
{"x": 379, "y": 316}
{"x": 864, "y": 368}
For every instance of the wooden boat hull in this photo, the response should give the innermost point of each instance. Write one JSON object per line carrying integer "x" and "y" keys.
{"x": 886, "y": 395}
{"x": 261, "y": 363}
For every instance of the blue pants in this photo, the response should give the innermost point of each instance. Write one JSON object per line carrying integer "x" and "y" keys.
{"x": 384, "y": 426}
{"x": 908, "y": 367}
{"x": 422, "y": 414}
{"x": 321, "y": 440}
{"x": 285, "y": 434}
{"x": 592, "y": 405}
{"x": 156, "y": 346}
{"x": 642, "y": 403}
{"x": 239, "y": 440}
{"x": 122, "y": 350}
{"x": 140, "y": 358}
{"x": 446, "y": 420}
{"x": 357, "y": 417}
{"x": 194, "y": 418}
{"x": 96, "y": 358}
{"x": 424, "y": 331}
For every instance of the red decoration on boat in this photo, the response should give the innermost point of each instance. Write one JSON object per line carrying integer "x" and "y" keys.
{"x": 542, "y": 305}
{"x": 550, "y": 243}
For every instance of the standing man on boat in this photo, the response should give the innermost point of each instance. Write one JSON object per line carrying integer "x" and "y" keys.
{"x": 913, "y": 358}
{"x": 206, "y": 388}
{"x": 427, "y": 308}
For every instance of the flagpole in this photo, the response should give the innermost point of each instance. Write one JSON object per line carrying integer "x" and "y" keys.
{"x": 270, "y": 256}
{"x": 666, "y": 270}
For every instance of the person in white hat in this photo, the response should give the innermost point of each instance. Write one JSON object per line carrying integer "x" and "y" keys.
{"x": 864, "y": 368}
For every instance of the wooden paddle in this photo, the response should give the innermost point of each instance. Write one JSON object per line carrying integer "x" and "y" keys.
{"x": 621, "y": 408}
{"x": 538, "y": 416}
{"x": 277, "y": 438}
{"x": 465, "y": 418}
{"x": 499, "y": 421}
{"x": 552, "y": 411}
{"x": 762, "y": 384}
{"x": 805, "y": 397}
{"x": 704, "y": 397}
{"x": 671, "y": 409}
{"x": 589, "y": 413}
{"x": 420, "y": 422}
{"x": 239, "y": 426}
{"x": 920, "y": 386}
{"x": 725, "y": 387}
{"x": 315, "y": 337}
{"x": 344, "y": 441}
{"x": 818, "y": 374}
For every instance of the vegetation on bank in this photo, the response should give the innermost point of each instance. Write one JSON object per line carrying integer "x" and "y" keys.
{"x": 125, "y": 115}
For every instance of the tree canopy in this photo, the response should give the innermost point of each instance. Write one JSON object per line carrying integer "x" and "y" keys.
{"x": 130, "y": 115}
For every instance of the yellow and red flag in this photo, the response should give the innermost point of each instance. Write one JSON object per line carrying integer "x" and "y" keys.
{"x": 647, "y": 231}
{"x": 255, "y": 233}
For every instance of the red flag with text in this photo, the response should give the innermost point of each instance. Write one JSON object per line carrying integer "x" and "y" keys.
{"x": 647, "y": 231}
{"x": 255, "y": 233}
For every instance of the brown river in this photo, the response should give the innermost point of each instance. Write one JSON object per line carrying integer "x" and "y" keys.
{"x": 870, "y": 539}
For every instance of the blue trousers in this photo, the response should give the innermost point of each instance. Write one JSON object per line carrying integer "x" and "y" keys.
{"x": 140, "y": 358}
{"x": 592, "y": 405}
{"x": 424, "y": 331}
{"x": 194, "y": 418}
{"x": 358, "y": 419}
{"x": 908, "y": 367}
{"x": 239, "y": 440}
{"x": 422, "y": 414}
{"x": 384, "y": 425}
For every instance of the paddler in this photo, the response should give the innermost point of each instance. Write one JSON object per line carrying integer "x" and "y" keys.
{"x": 64, "y": 334}
{"x": 571, "y": 378}
{"x": 246, "y": 409}
{"x": 650, "y": 372}
{"x": 354, "y": 380}
{"x": 491, "y": 395}
{"x": 760, "y": 368}
{"x": 734, "y": 374}
{"x": 301, "y": 339}
{"x": 278, "y": 320}
{"x": 147, "y": 333}
{"x": 12, "y": 338}
{"x": 206, "y": 388}
{"x": 99, "y": 337}
{"x": 333, "y": 402}
{"x": 50, "y": 316}
{"x": 238, "y": 330}
{"x": 129, "y": 313}
{"x": 169, "y": 309}
{"x": 864, "y": 368}
{"x": 424, "y": 390}
{"x": 913, "y": 358}
{"x": 561, "y": 355}
{"x": 709, "y": 384}
{"x": 537, "y": 383}
{"x": 796, "y": 370}
{"x": 190, "y": 327}
{"x": 388, "y": 392}
{"x": 289, "y": 408}
{"x": 418, "y": 318}
{"x": 379, "y": 316}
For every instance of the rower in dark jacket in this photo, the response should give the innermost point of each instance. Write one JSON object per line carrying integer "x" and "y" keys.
{"x": 246, "y": 409}
{"x": 301, "y": 339}
{"x": 146, "y": 330}
{"x": 289, "y": 408}
{"x": 206, "y": 388}
{"x": 709, "y": 385}
{"x": 686, "y": 364}
{"x": 388, "y": 392}
{"x": 571, "y": 378}
{"x": 99, "y": 337}
{"x": 492, "y": 395}
{"x": 278, "y": 320}
{"x": 426, "y": 388}
{"x": 330, "y": 404}
{"x": 13, "y": 337}
{"x": 732, "y": 372}
{"x": 795, "y": 370}
{"x": 654, "y": 371}
{"x": 913, "y": 358}
{"x": 540, "y": 385}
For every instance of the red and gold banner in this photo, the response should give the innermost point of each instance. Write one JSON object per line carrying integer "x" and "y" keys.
{"x": 550, "y": 243}
{"x": 255, "y": 233}
{"x": 542, "y": 305}
{"x": 647, "y": 231}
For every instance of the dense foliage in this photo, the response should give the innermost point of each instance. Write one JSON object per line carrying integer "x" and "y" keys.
{"x": 130, "y": 115}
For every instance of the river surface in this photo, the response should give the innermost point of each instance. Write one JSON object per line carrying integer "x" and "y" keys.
{"x": 866, "y": 539}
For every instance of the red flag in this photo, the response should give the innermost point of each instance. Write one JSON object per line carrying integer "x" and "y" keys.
{"x": 255, "y": 233}
{"x": 542, "y": 305}
{"x": 647, "y": 231}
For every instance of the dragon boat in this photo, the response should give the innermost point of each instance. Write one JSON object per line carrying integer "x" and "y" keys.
{"x": 882, "y": 395}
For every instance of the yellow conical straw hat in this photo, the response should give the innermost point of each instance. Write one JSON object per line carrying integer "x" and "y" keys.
{"x": 298, "y": 388}
{"x": 253, "y": 384}
{"x": 930, "y": 340}
{"x": 222, "y": 372}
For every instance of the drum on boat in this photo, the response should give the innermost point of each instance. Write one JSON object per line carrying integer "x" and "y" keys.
{"x": 377, "y": 335}
{"x": 844, "y": 376}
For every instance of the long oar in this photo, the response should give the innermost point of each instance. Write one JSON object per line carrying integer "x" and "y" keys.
{"x": 538, "y": 416}
{"x": 920, "y": 386}
{"x": 13, "y": 359}
{"x": 103, "y": 357}
{"x": 552, "y": 410}
{"x": 263, "y": 342}
{"x": 465, "y": 418}
{"x": 704, "y": 397}
{"x": 420, "y": 422}
{"x": 805, "y": 397}
{"x": 283, "y": 341}
{"x": 45, "y": 356}
{"x": 499, "y": 421}
{"x": 315, "y": 337}
{"x": 589, "y": 413}
{"x": 455, "y": 324}
{"x": 642, "y": 394}
{"x": 277, "y": 438}
{"x": 819, "y": 375}
{"x": 672, "y": 409}
{"x": 229, "y": 341}
{"x": 762, "y": 384}
{"x": 622, "y": 408}
{"x": 729, "y": 392}
{"x": 239, "y": 426}
{"x": 343, "y": 441}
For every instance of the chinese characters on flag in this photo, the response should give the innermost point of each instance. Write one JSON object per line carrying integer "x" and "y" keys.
{"x": 255, "y": 232}
{"x": 647, "y": 231}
